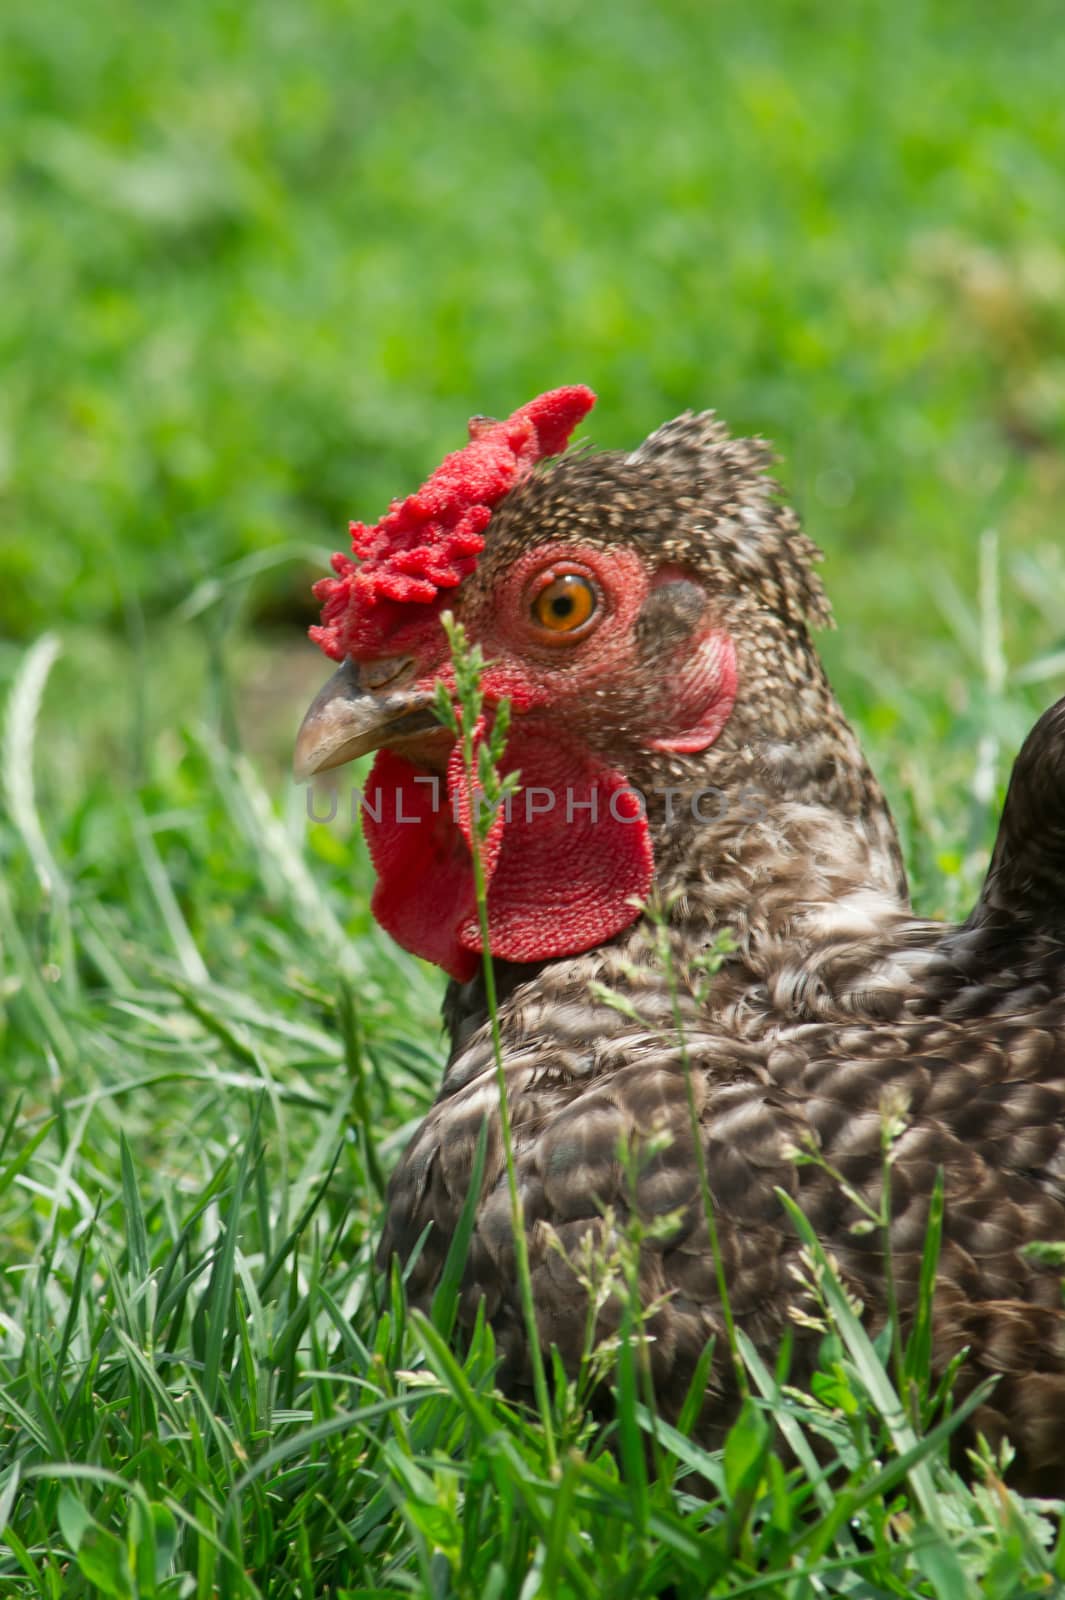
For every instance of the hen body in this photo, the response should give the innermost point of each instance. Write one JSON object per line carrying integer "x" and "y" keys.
{"x": 833, "y": 1006}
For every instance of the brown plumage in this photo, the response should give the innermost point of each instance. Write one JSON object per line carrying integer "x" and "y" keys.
{"x": 834, "y": 1000}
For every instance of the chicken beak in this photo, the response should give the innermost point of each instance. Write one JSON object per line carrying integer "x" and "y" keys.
{"x": 346, "y": 719}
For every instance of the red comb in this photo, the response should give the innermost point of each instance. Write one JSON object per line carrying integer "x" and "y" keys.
{"x": 429, "y": 542}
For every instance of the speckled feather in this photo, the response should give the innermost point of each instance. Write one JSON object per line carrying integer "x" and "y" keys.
{"x": 834, "y": 996}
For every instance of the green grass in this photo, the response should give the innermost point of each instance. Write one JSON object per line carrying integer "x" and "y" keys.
{"x": 258, "y": 266}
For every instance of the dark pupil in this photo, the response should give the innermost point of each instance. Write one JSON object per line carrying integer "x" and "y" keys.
{"x": 562, "y": 605}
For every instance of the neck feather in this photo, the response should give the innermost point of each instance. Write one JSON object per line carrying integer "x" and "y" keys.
{"x": 788, "y": 846}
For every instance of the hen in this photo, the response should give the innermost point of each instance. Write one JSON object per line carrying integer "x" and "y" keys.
{"x": 679, "y": 747}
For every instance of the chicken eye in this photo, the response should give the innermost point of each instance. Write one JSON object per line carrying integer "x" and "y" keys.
{"x": 565, "y": 603}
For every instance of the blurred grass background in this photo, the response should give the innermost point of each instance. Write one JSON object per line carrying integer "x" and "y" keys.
{"x": 260, "y": 264}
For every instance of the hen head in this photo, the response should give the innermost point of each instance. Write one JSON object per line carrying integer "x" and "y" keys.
{"x": 645, "y": 615}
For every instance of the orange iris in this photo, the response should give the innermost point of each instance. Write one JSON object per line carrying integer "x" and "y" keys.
{"x": 565, "y": 603}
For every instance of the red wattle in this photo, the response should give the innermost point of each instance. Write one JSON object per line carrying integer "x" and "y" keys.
{"x": 564, "y": 869}
{"x": 574, "y": 856}
{"x": 424, "y": 872}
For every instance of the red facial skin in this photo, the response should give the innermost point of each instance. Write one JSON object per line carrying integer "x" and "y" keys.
{"x": 570, "y": 866}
